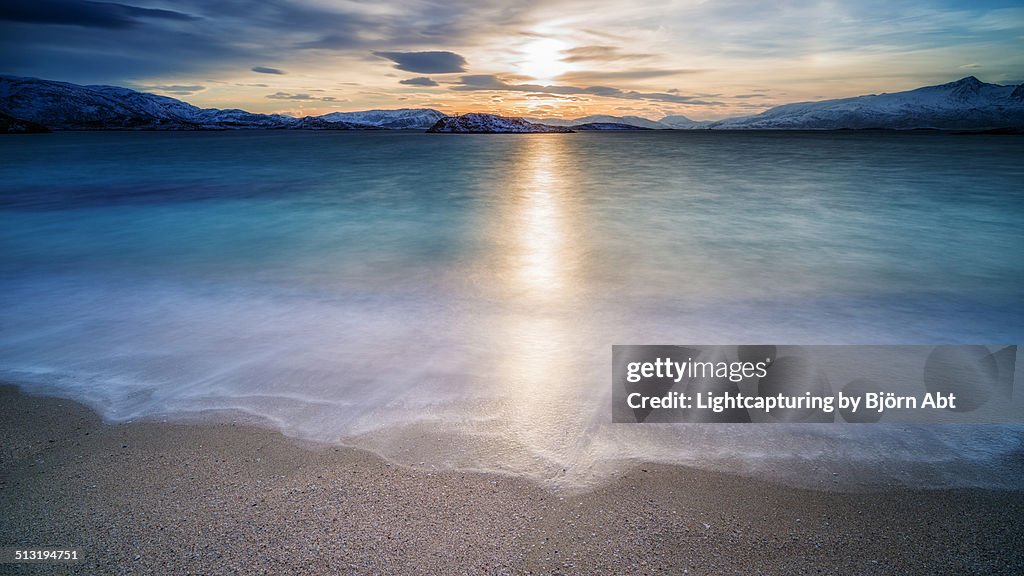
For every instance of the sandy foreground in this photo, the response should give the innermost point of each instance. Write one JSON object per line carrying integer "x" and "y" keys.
{"x": 157, "y": 498}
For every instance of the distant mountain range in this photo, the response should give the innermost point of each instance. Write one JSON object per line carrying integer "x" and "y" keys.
{"x": 491, "y": 124}
{"x": 967, "y": 104}
{"x": 65, "y": 106}
{"x": 33, "y": 105}
{"x": 637, "y": 121}
{"x": 604, "y": 126}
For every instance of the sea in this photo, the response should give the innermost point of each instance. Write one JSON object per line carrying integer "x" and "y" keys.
{"x": 450, "y": 301}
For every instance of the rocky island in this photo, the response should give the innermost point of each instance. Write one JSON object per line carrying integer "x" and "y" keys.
{"x": 490, "y": 124}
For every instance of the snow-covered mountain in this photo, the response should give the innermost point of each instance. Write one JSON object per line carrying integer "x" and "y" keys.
{"x": 319, "y": 123}
{"x": 61, "y": 105}
{"x": 403, "y": 118}
{"x": 637, "y": 121}
{"x": 679, "y": 122}
{"x": 606, "y": 126}
{"x": 490, "y": 124}
{"x": 967, "y": 104}
{"x": 65, "y": 106}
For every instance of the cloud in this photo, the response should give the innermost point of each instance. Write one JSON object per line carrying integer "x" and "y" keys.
{"x": 549, "y": 96}
{"x": 307, "y": 97}
{"x": 85, "y": 14}
{"x": 183, "y": 90}
{"x": 600, "y": 54}
{"x": 492, "y": 82}
{"x": 333, "y": 42}
{"x": 589, "y": 76}
{"x": 266, "y": 70}
{"x": 418, "y": 81}
{"x": 107, "y": 43}
{"x": 437, "y": 62}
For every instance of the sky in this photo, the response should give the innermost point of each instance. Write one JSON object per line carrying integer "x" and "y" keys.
{"x": 549, "y": 58}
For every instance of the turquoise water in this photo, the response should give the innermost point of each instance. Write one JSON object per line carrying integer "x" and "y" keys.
{"x": 452, "y": 299}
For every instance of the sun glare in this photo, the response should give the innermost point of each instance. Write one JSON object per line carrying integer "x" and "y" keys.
{"x": 542, "y": 60}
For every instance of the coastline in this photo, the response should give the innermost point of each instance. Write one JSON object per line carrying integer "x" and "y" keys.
{"x": 149, "y": 497}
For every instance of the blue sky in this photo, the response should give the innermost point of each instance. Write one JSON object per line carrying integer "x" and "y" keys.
{"x": 538, "y": 58}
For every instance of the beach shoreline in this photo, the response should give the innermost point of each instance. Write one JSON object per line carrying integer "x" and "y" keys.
{"x": 175, "y": 498}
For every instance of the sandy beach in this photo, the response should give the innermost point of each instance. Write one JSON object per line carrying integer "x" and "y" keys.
{"x": 164, "y": 498}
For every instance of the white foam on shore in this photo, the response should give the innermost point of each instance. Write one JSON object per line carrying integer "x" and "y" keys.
{"x": 472, "y": 386}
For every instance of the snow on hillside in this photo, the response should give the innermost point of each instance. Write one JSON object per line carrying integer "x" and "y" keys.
{"x": 319, "y": 123}
{"x": 490, "y": 124}
{"x": 679, "y": 122}
{"x": 61, "y": 105}
{"x": 967, "y": 104}
{"x": 65, "y": 106}
{"x": 403, "y": 118}
{"x": 606, "y": 126}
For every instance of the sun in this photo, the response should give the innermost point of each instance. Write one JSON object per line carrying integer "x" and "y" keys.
{"x": 542, "y": 60}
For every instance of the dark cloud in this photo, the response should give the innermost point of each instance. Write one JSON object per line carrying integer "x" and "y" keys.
{"x": 491, "y": 82}
{"x": 418, "y": 81}
{"x": 84, "y": 14}
{"x": 174, "y": 89}
{"x": 266, "y": 70}
{"x": 488, "y": 82}
{"x": 288, "y": 96}
{"x": 333, "y": 42}
{"x": 116, "y": 43}
{"x": 436, "y": 62}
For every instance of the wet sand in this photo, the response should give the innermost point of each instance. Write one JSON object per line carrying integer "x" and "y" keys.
{"x": 164, "y": 498}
